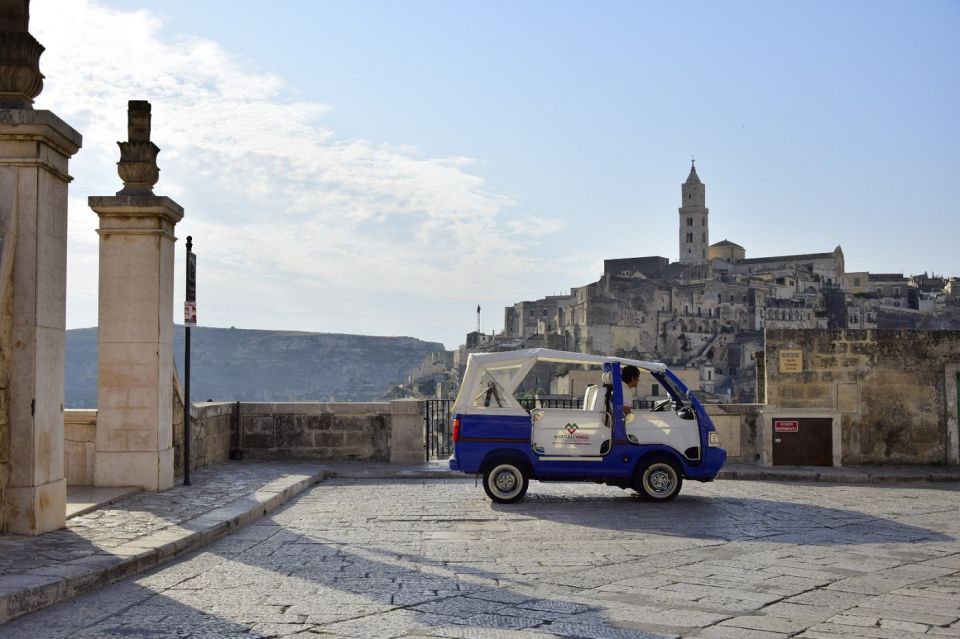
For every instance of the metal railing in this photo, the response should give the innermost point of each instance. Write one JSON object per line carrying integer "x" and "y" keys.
{"x": 529, "y": 403}
{"x": 437, "y": 428}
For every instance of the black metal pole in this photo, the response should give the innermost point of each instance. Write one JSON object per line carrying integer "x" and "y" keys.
{"x": 186, "y": 381}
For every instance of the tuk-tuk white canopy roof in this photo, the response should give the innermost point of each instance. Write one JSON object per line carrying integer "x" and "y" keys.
{"x": 523, "y": 361}
{"x": 506, "y": 359}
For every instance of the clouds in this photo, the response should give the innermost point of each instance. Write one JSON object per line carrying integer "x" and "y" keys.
{"x": 283, "y": 210}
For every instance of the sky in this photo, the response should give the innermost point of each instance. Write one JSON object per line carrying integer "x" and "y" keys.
{"x": 383, "y": 168}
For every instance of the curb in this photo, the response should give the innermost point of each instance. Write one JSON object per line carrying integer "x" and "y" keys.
{"x": 396, "y": 474}
{"x": 31, "y": 592}
{"x": 847, "y": 477}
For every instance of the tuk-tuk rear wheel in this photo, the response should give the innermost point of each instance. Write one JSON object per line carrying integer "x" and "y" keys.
{"x": 505, "y": 482}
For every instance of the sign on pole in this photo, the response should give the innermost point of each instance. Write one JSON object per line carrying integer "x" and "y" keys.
{"x": 189, "y": 319}
{"x": 190, "y": 305}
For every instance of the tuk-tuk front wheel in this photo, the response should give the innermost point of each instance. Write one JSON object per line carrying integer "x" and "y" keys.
{"x": 505, "y": 482}
{"x": 658, "y": 480}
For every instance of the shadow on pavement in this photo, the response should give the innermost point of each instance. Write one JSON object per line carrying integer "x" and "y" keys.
{"x": 269, "y": 581}
{"x": 724, "y": 518}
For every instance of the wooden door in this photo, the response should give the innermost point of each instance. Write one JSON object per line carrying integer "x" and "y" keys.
{"x": 803, "y": 441}
{"x": 787, "y": 444}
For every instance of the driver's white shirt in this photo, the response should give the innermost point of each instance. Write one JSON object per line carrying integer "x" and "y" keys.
{"x": 627, "y": 395}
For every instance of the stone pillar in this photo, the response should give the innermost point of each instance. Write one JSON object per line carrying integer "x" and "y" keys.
{"x": 406, "y": 432}
{"x": 134, "y": 442}
{"x": 35, "y": 147}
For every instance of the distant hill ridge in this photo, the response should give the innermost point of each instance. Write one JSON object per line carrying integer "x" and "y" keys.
{"x": 232, "y": 364}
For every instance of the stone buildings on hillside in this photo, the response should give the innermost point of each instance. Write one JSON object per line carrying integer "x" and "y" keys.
{"x": 708, "y": 311}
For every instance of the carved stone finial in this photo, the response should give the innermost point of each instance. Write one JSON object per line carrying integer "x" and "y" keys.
{"x": 138, "y": 156}
{"x": 20, "y": 77}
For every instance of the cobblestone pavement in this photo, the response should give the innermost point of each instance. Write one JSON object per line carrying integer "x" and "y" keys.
{"x": 141, "y": 531}
{"x": 418, "y": 558}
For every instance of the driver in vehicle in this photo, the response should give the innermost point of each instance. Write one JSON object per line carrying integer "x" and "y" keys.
{"x": 630, "y": 377}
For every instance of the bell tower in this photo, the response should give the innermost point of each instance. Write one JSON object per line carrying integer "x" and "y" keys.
{"x": 694, "y": 229}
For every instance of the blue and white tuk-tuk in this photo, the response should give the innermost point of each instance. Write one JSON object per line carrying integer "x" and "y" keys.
{"x": 650, "y": 450}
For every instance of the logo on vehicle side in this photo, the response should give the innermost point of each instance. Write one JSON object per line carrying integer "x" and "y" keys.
{"x": 571, "y": 428}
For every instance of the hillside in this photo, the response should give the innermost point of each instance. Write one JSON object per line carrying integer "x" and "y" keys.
{"x": 229, "y": 364}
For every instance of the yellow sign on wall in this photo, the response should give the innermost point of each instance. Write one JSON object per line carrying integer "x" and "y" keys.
{"x": 791, "y": 361}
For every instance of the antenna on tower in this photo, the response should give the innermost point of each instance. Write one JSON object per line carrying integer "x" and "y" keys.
{"x": 478, "y": 318}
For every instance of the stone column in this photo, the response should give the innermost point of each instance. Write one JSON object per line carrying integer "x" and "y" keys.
{"x": 134, "y": 442}
{"x": 35, "y": 147}
{"x": 406, "y": 432}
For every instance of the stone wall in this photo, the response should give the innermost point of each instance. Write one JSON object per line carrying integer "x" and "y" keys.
{"x": 891, "y": 393}
{"x": 374, "y": 431}
{"x": 382, "y": 431}
{"x": 738, "y": 426}
{"x": 79, "y": 446}
{"x": 358, "y": 431}
{"x": 210, "y": 428}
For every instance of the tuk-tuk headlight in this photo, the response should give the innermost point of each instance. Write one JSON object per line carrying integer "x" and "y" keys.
{"x": 713, "y": 439}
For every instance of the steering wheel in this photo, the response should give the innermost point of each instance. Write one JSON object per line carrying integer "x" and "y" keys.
{"x": 661, "y": 405}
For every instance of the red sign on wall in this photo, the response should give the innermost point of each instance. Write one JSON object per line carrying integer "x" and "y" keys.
{"x": 786, "y": 426}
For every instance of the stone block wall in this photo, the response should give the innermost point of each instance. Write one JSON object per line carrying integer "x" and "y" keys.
{"x": 210, "y": 427}
{"x": 738, "y": 426}
{"x": 894, "y": 391}
{"x": 381, "y": 431}
{"x": 79, "y": 446}
{"x": 359, "y": 431}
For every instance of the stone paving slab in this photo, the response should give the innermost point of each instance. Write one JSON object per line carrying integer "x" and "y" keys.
{"x": 353, "y": 558}
{"x": 139, "y": 531}
{"x": 84, "y": 499}
{"x": 849, "y": 474}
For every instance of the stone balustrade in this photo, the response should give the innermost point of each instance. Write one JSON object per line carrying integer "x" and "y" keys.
{"x": 375, "y": 431}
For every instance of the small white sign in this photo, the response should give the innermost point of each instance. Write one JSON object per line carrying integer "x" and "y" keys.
{"x": 189, "y": 313}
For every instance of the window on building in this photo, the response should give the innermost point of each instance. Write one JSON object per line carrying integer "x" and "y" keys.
{"x": 856, "y": 281}
{"x": 896, "y": 291}
{"x": 689, "y": 237}
{"x": 655, "y": 390}
{"x": 704, "y": 237}
{"x": 880, "y": 291}
{"x": 689, "y": 221}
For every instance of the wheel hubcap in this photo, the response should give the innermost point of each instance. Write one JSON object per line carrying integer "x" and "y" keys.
{"x": 660, "y": 481}
{"x": 505, "y": 482}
